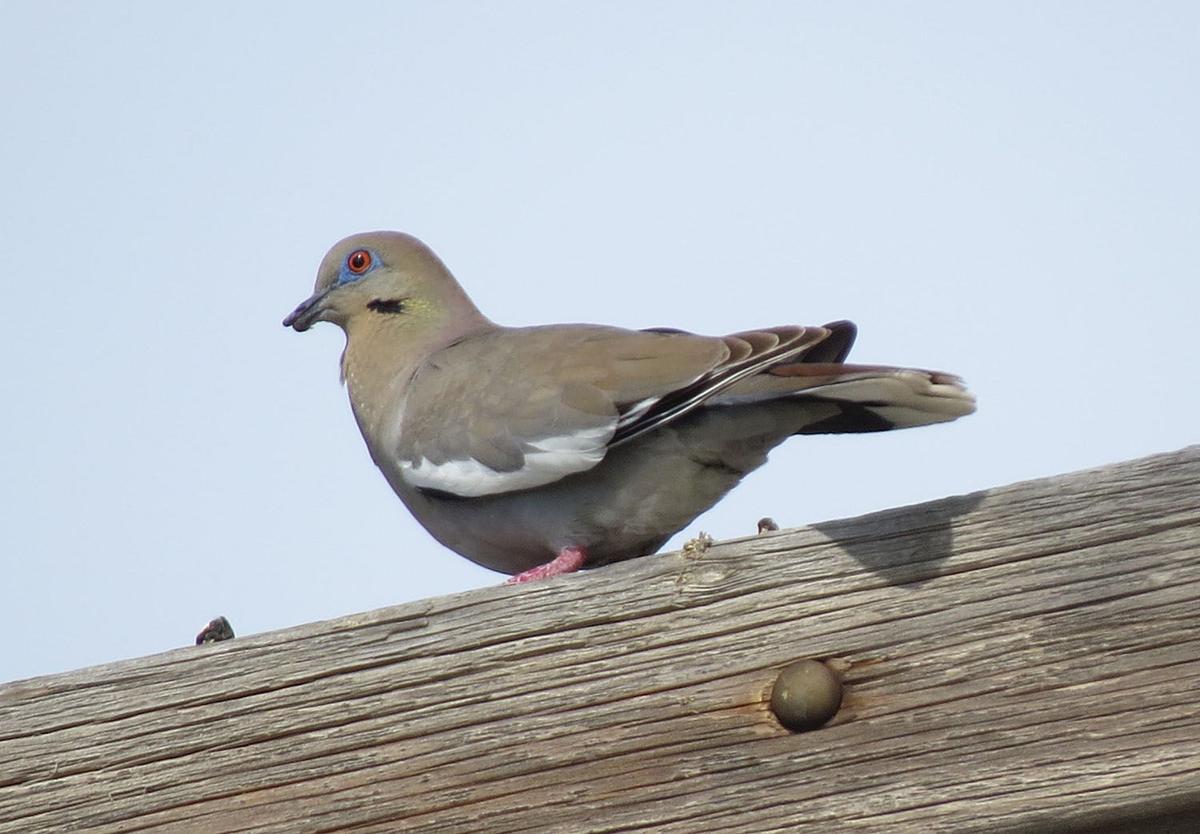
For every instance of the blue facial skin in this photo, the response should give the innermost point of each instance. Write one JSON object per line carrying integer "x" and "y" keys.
{"x": 345, "y": 276}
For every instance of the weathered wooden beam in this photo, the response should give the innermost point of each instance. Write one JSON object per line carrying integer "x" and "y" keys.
{"x": 1026, "y": 658}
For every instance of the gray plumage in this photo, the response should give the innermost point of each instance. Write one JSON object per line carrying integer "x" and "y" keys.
{"x": 512, "y": 445}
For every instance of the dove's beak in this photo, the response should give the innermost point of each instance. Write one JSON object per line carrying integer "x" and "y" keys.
{"x": 309, "y": 312}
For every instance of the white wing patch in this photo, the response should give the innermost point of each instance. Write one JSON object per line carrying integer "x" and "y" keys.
{"x": 550, "y": 459}
{"x": 637, "y": 410}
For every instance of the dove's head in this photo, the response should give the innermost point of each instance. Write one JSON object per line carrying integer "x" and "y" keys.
{"x": 385, "y": 278}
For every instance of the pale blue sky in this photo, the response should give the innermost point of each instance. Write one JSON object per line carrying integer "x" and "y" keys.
{"x": 1005, "y": 190}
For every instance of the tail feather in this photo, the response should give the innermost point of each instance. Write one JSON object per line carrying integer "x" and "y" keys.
{"x": 863, "y": 398}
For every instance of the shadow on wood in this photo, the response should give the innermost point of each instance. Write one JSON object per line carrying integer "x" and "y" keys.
{"x": 1025, "y": 659}
{"x": 929, "y": 532}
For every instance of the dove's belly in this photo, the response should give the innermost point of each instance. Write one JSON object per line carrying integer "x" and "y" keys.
{"x": 628, "y": 505}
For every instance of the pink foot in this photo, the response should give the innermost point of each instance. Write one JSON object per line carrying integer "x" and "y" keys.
{"x": 568, "y": 560}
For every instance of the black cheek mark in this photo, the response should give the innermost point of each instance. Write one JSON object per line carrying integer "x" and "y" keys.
{"x": 386, "y": 305}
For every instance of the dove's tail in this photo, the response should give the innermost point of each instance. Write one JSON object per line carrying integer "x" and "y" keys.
{"x": 842, "y": 398}
{"x": 875, "y": 398}
{"x": 805, "y": 368}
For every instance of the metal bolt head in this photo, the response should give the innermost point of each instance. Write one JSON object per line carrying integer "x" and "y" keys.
{"x": 806, "y": 695}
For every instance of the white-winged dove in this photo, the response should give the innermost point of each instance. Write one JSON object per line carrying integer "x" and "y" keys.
{"x": 536, "y": 450}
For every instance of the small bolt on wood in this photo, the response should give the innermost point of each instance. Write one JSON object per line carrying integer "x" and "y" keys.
{"x": 806, "y": 695}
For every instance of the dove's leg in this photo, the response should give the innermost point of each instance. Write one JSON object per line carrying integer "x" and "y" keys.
{"x": 568, "y": 560}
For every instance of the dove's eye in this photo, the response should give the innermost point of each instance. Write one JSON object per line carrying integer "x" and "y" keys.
{"x": 359, "y": 261}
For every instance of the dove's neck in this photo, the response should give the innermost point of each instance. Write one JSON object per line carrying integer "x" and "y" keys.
{"x": 382, "y": 354}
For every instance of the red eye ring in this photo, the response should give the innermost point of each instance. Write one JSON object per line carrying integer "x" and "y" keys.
{"x": 358, "y": 261}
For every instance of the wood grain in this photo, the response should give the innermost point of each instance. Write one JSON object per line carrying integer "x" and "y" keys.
{"x": 1022, "y": 659}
